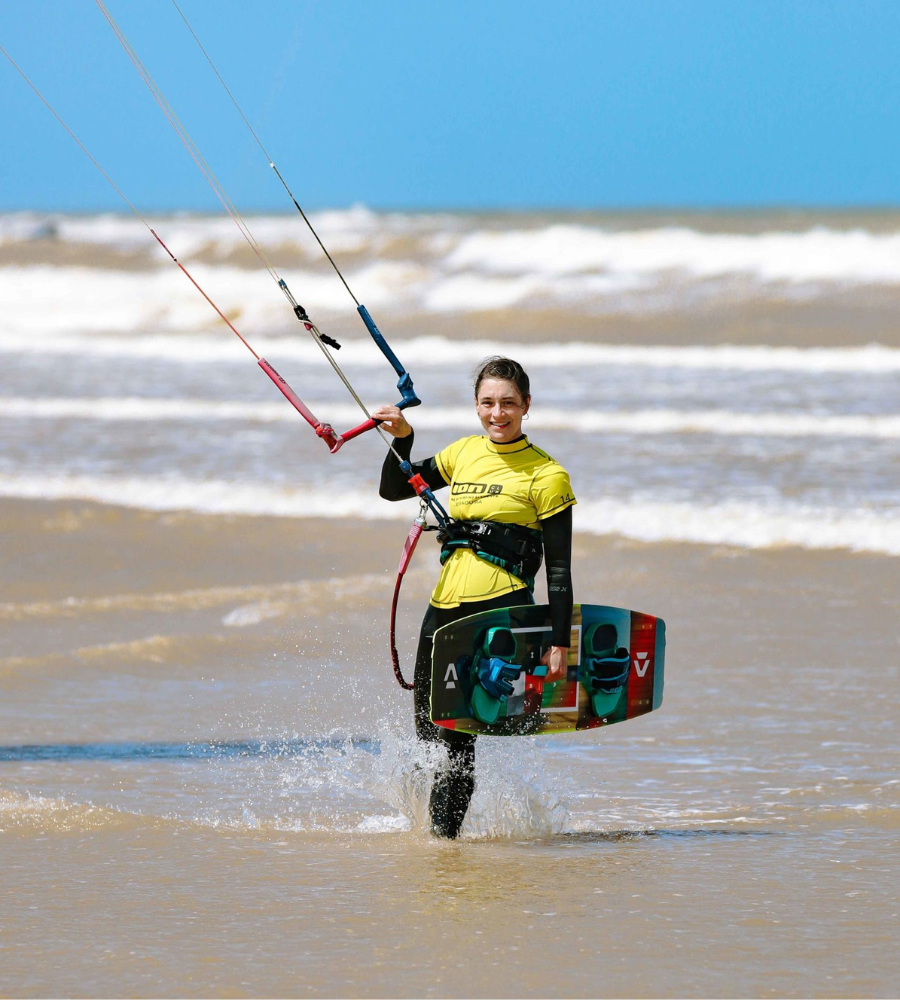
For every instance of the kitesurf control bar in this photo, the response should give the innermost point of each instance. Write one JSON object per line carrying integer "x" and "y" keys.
{"x": 324, "y": 342}
{"x": 325, "y": 431}
{"x": 405, "y": 383}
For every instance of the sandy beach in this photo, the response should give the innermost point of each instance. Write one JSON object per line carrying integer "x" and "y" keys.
{"x": 755, "y": 815}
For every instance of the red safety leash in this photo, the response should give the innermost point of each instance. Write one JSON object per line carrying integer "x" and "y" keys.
{"x": 428, "y": 501}
{"x": 409, "y": 546}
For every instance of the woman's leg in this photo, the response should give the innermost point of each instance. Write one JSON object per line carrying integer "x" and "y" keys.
{"x": 452, "y": 790}
{"x": 454, "y": 783}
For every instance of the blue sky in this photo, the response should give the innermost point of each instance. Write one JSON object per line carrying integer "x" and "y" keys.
{"x": 504, "y": 104}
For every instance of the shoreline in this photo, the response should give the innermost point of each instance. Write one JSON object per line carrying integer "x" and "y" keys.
{"x": 79, "y": 560}
{"x": 85, "y": 541}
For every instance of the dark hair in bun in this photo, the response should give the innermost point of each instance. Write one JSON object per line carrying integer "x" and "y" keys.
{"x": 506, "y": 369}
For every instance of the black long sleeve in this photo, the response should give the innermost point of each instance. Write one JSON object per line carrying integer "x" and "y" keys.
{"x": 394, "y": 484}
{"x": 558, "y": 554}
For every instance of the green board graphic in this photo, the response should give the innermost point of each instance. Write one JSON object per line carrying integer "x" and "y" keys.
{"x": 486, "y": 675}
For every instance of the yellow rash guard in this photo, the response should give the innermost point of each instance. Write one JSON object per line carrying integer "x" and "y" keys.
{"x": 512, "y": 483}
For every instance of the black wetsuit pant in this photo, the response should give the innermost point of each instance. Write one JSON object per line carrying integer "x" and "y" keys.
{"x": 455, "y": 782}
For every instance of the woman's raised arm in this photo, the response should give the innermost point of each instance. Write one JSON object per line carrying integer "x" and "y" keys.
{"x": 394, "y": 483}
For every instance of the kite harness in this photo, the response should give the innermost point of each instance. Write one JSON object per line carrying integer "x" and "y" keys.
{"x": 512, "y": 547}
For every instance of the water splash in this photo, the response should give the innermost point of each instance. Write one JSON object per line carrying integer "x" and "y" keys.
{"x": 331, "y": 783}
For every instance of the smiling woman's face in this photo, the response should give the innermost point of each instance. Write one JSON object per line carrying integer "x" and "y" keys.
{"x": 500, "y": 409}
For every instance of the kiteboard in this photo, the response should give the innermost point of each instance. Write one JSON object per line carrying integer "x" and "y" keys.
{"x": 487, "y": 677}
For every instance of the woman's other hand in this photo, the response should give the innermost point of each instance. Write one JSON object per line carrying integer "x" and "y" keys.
{"x": 393, "y": 421}
{"x": 556, "y": 659}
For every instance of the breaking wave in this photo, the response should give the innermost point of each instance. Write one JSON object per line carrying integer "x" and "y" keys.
{"x": 743, "y": 524}
{"x": 655, "y": 421}
{"x": 115, "y": 279}
{"x": 437, "y": 352}
{"x": 519, "y": 245}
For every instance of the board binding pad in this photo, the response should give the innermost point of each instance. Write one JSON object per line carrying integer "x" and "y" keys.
{"x": 486, "y": 675}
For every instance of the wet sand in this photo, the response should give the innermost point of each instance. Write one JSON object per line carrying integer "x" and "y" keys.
{"x": 741, "y": 841}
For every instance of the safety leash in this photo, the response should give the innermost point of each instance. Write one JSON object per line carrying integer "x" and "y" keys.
{"x": 427, "y": 502}
{"x": 409, "y": 547}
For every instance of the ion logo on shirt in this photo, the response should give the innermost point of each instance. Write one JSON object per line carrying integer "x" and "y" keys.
{"x": 461, "y": 489}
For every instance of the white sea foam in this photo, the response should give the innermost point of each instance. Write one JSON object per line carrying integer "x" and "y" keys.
{"x": 204, "y": 496}
{"x": 659, "y": 421}
{"x": 735, "y": 523}
{"x": 454, "y": 244}
{"x": 725, "y": 422}
{"x": 49, "y": 300}
{"x": 437, "y": 352}
{"x": 384, "y": 824}
{"x": 350, "y": 230}
{"x": 744, "y": 524}
{"x": 816, "y": 255}
{"x": 440, "y": 265}
{"x": 358, "y": 228}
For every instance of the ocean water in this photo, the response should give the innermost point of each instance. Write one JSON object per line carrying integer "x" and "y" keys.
{"x": 119, "y": 380}
{"x": 208, "y": 781}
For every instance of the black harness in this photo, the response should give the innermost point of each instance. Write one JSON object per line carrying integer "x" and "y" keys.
{"x": 516, "y": 549}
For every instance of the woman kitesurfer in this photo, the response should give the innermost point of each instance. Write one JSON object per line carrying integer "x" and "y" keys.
{"x": 501, "y": 487}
